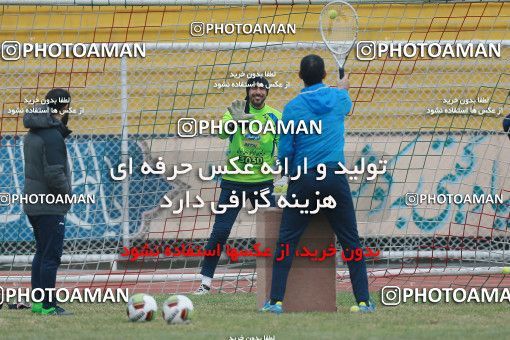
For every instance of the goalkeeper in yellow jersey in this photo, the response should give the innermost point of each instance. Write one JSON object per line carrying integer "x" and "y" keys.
{"x": 254, "y": 149}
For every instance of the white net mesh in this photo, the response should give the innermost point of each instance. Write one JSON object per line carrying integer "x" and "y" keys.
{"x": 185, "y": 76}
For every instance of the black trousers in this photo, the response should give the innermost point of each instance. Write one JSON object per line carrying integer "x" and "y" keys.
{"x": 49, "y": 240}
{"x": 342, "y": 219}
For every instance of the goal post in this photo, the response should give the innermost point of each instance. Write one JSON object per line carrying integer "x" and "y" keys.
{"x": 128, "y": 107}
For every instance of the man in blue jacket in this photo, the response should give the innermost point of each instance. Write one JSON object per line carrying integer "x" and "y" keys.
{"x": 318, "y": 102}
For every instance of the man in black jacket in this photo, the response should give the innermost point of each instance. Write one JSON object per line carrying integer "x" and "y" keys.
{"x": 47, "y": 172}
{"x": 506, "y": 125}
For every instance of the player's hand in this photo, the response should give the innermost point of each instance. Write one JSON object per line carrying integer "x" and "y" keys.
{"x": 344, "y": 83}
{"x": 236, "y": 109}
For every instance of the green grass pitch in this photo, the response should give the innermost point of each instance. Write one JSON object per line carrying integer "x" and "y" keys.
{"x": 221, "y": 316}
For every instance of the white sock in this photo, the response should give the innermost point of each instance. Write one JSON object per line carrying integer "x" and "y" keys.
{"x": 206, "y": 281}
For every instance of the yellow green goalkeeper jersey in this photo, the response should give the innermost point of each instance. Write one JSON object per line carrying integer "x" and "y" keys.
{"x": 253, "y": 149}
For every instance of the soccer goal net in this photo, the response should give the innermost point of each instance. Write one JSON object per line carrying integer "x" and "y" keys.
{"x": 134, "y": 68}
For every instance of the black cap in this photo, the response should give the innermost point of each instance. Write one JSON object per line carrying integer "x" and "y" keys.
{"x": 60, "y": 98}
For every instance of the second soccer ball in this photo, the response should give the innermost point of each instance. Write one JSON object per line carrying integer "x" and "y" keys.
{"x": 177, "y": 309}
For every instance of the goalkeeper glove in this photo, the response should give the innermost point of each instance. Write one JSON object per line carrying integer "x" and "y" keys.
{"x": 281, "y": 185}
{"x": 236, "y": 109}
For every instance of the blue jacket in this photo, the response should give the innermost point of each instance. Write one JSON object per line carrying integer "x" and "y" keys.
{"x": 315, "y": 103}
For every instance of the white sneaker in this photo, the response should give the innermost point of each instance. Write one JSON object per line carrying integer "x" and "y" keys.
{"x": 202, "y": 290}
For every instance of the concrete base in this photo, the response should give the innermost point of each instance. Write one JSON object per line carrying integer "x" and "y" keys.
{"x": 311, "y": 285}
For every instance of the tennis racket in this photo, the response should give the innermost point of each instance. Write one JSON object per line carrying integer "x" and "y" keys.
{"x": 339, "y": 30}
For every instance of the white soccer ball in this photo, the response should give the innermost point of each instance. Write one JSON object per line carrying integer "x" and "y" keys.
{"x": 177, "y": 309}
{"x": 141, "y": 307}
